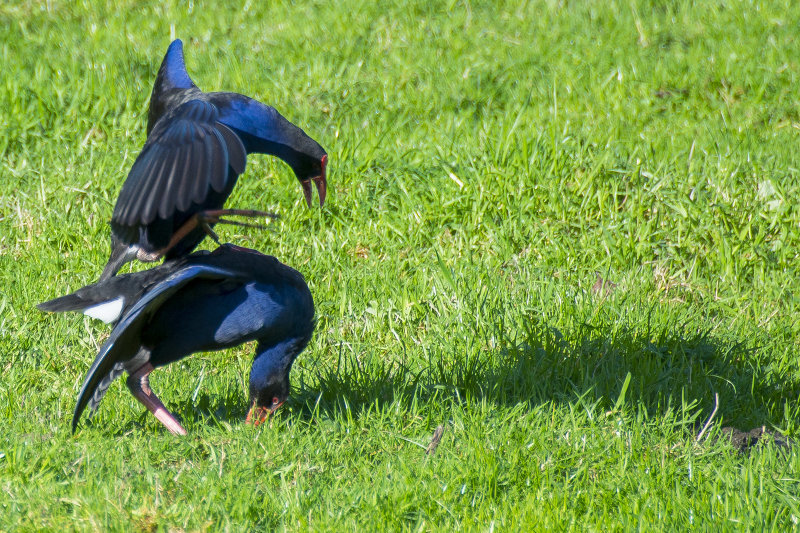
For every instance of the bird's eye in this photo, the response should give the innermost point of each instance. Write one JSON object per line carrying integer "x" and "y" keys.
{"x": 275, "y": 401}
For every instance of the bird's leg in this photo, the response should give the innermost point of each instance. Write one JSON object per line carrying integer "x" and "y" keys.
{"x": 204, "y": 219}
{"x": 139, "y": 385}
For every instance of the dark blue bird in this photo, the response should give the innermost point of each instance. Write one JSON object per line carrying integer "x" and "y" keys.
{"x": 197, "y": 145}
{"x": 202, "y": 302}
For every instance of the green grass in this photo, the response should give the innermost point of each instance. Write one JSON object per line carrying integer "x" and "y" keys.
{"x": 487, "y": 160}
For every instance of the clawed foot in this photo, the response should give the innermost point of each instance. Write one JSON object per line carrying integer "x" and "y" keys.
{"x": 204, "y": 220}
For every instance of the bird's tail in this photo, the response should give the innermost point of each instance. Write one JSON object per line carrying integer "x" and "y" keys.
{"x": 110, "y": 294}
{"x": 70, "y": 302}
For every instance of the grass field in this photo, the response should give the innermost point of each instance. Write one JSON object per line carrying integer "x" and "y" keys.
{"x": 488, "y": 160}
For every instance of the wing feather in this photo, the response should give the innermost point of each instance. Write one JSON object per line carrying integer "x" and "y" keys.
{"x": 237, "y": 156}
{"x": 202, "y": 184}
{"x": 188, "y": 154}
{"x": 148, "y": 202}
{"x": 219, "y": 169}
{"x": 191, "y": 166}
{"x": 123, "y": 343}
{"x": 179, "y": 165}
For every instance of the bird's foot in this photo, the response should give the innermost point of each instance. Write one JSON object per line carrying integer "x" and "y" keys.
{"x": 139, "y": 384}
{"x": 254, "y": 213}
{"x": 215, "y": 217}
{"x": 210, "y": 232}
{"x": 204, "y": 220}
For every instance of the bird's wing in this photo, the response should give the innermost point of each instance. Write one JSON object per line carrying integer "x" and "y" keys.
{"x": 187, "y": 154}
{"x": 125, "y": 335}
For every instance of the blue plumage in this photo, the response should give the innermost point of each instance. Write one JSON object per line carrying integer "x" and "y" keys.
{"x": 203, "y": 302}
{"x": 175, "y": 75}
{"x": 196, "y": 148}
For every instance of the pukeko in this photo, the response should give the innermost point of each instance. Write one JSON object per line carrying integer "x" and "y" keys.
{"x": 202, "y": 302}
{"x": 197, "y": 145}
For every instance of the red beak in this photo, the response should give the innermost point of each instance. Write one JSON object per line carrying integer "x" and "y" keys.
{"x": 319, "y": 182}
{"x": 259, "y": 415}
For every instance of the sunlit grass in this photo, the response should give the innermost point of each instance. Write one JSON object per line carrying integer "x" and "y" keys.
{"x": 487, "y": 162}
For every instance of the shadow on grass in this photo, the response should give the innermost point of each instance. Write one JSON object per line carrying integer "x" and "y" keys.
{"x": 677, "y": 368}
{"x": 667, "y": 371}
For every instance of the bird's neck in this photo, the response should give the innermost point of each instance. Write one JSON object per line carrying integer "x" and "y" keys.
{"x": 273, "y": 363}
{"x": 263, "y": 130}
{"x": 276, "y": 358}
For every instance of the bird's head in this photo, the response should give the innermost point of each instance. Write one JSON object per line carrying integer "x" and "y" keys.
{"x": 264, "y": 130}
{"x": 308, "y": 159}
{"x": 267, "y": 398}
{"x": 269, "y": 375}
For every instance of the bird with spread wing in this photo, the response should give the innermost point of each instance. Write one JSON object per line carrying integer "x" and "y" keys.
{"x": 205, "y": 301}
{"x": 196, "y": 148}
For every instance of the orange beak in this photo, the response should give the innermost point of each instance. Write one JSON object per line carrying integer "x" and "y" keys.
{"x": 259, "y": 415}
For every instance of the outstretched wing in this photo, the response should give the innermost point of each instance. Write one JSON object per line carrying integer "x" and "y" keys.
{"x": 124, "y": 339}
{"x": 187, "y": 155}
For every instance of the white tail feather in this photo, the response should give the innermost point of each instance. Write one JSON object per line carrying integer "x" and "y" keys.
{"x": 107, "y": 311}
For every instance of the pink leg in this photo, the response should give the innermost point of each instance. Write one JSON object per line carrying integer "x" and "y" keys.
{"x": 139, "y": 385}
